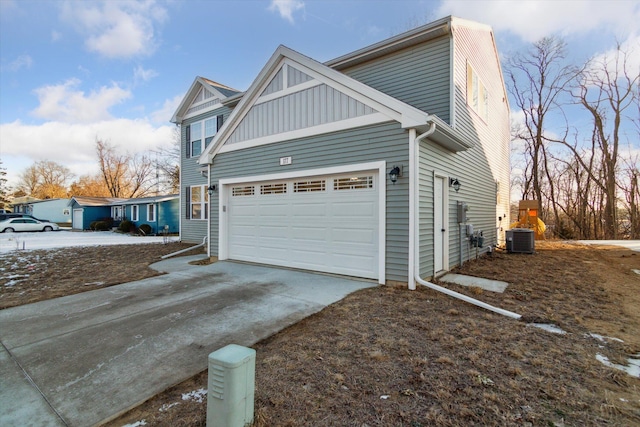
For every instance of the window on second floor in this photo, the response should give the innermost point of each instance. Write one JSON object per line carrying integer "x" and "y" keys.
{"x": 477, "y": 95}
{"x": 200, "y": 134}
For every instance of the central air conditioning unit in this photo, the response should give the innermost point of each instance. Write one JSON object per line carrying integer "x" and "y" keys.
{"x": 520, "y": 240}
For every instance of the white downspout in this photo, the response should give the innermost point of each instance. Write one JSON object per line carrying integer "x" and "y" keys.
{"x": 208, "y": 213}
{"x": 415, "y": 228}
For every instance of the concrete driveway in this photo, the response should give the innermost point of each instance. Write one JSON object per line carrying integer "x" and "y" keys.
{"x": 83, "y": 359}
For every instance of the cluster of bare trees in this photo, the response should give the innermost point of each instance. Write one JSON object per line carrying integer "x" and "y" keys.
{"x": 583, "y": 170}
{"x": 120, "y": 174}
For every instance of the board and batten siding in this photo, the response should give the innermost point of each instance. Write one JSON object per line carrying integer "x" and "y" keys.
{"x": 384, "y": 142}
{"x": 476, "y": 47}
{"x": 419, "y": 76}
{"x": 192, "y": 230}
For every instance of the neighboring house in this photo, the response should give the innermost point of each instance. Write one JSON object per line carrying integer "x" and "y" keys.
{"x": 22, "y": 204}
{"x": 356, "y": 166}
{"x": 85, "y": 210}
{"x": 160, "y": 212}
{"x": 54, "y": 210}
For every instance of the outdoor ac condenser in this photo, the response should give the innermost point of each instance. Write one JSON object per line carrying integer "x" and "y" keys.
{"x": 520, "y": 240}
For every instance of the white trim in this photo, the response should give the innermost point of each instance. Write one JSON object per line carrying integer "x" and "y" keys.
{"x": 288, "y": 91}
{"x": 137, "y": 208}
{"x": 452, "y": 82}
{"x": 369, "y": 119}
{"x": 380, "y": 166}
{"x": 203, "y": 111}
{"x": 155, "y": 212}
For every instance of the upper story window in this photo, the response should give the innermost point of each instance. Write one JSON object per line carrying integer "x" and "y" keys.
{"x": 477, "y": 95}
{"x": 200, "y": 134}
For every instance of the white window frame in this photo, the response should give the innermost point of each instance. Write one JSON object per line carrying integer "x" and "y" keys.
{"x": 117, "y": 212}
{"x": 152, "y": 212}
{"x": 203, "y": 203}
{"x": 204, "y": 136}
{"x": 477, "y": 95}
{"x": 135, "y": 213}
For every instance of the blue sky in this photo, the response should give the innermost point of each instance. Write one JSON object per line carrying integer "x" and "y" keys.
{"x": 74, "y": 71}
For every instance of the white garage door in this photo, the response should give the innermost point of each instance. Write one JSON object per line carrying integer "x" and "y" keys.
{"x": 327, "y": 224}
{"x": 77, "y": 219}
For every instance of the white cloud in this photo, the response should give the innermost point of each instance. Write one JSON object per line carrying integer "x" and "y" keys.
{"x": 164, "y": 114}
{"x": 140, "y": 74}
{"x": 286, "y": 8}
{"x": 22, "y": 61}
{"x": 121, "y": 29}
{"x": 65, "y": 103}
{"x": 73, "y": 145}
{"x": 625, "y": 62}
{"x": 534, "y": 19}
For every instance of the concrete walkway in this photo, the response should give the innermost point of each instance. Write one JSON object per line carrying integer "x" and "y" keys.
{"x": 83, "y": 359}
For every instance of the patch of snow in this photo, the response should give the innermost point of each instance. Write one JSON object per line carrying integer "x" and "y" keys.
{"x": 385, "y": 397}
{"x": 167, "y": 406}
{"x": 196, "y": 395}
{"x": 622, "y": 399}
{"x": 65, "y": 239}
{"x": 635, "y": 271}
{"x": 602, "y": 338}
{"x": 632, "y": 369}
{"x": 548, "y": 327}
{"x": 136, "y": 424}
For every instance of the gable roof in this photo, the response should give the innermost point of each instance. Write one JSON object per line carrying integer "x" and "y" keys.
{"x": 95, "y": 201}
{"x": 407, "y": 115}
{"x": 220, "y": 90}
{"x": 153, "y": 199}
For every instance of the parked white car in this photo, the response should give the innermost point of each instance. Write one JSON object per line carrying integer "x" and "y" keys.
{"x": 26, "y": 224}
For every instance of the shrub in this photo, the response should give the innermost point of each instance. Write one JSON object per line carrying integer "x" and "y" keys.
{"x": 126, "y": 226}
{"x": 99, "y": 226}
{"x": 145, "y": 229}
{"x": 108, "y": 220}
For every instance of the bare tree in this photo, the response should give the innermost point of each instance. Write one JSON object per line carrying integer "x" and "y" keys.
{"x": 45, "y": 180}
{"x": 4, "y": 189}
{"x": 607, "y": 89}
{"x": 90, "y": 186}
{"x": 124, "y": 175}
{"x": 168, "y": 165}
{"x": 538, "y": 78}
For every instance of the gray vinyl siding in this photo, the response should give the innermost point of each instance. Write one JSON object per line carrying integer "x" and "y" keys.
{"x": 419, "y": 76}
{"x": 384, "y": 142}
{"x": 275, "y": 85}
{"x": 477, "y": 169}
{"x": 193, "y": 230}
{"x": 311, "y": 107}
{"x": 295, "y": 77}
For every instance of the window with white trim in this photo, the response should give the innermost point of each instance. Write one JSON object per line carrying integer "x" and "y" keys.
{"x": 117, "y": 213}
{"x": 199, "y": 202}
{"x": 477, "y": 95}
{"x": 135, "y": 213}
{"x": 151, "y": 212}
{"x": 200, "y": 134}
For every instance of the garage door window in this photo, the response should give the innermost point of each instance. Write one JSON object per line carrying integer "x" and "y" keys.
{"x": 280, "y": 188}
{"x": 309, "y": 186}
{"x": 243, "y": 191}
{"x": 353, "y": 183}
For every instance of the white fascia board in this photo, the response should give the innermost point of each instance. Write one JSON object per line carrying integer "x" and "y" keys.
{"x": 198, "y": 82}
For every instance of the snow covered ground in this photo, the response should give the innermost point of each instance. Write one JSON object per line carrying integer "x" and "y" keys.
{"x": 634, "y": 245}
{"x": 65, "y": 238}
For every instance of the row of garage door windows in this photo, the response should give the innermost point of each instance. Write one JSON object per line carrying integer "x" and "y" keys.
{"x": 200, "y": 199}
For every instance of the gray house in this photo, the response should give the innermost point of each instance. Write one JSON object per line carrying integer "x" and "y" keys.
{"x": 386, "y": 163}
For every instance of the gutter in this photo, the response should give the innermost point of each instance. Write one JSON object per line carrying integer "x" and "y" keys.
{"x": 414, "y": 255}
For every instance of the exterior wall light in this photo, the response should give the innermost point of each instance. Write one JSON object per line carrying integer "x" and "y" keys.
{"x": 211, "y": 189}
{"x": 453, "y": 182}
{"x": 394, "y": 174}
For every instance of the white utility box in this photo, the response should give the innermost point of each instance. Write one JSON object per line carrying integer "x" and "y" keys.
{"x": 230, "y": 398}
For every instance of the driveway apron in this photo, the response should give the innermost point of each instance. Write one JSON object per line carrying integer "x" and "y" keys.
{"x": 84, "y": 359}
